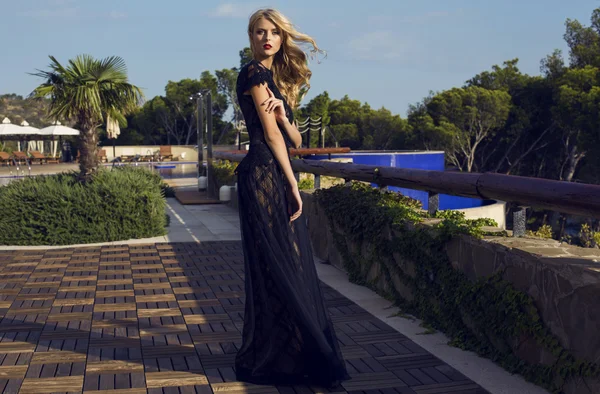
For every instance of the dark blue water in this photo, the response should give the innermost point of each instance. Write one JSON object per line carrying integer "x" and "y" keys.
{"x": 433, "y": 160}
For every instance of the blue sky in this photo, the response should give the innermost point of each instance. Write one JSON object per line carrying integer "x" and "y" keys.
{"x": 388, "y": 53}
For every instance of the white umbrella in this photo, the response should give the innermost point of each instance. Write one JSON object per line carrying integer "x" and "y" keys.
{"x": 7, "y": 128}
{"x": 29, "y": 130}
{"x": 26, "y": 129}
{"x": 58, "y": 129}
{"x": 12, "y": 130}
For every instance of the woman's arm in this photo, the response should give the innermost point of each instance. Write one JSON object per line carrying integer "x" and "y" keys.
{"x": 273, "y": 135}
{"x": 292, "y": 132}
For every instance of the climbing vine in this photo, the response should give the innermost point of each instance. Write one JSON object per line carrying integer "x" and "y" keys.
{"x": 488, "y": 316}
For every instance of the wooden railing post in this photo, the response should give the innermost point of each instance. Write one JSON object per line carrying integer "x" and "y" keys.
{"x": 520, "y": 222}
{"x": 433, "y": 203}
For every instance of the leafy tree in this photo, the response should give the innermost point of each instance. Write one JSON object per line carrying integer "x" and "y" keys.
{"x": 584, "y": 42}
{"x": 245, "y": 56}
{"x": 529, "y": 127}
{"x": 577, "y": 109}
{"x": 226, "y": 86}
{"x": 347, "y": 112}
{"x": 88, "y": 90}
{"x": 317, "y": 108}
{"x": 470, "y": 115}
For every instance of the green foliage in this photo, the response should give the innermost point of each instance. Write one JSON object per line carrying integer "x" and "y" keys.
{"x": 245, "y": 56}
{"x": 589, "y": 238}
{"x": 455, "y": 223}
{"x": 88, "y": 91}
{"x": 544, "y": 231}
{"x": 18, "y": 109}
{"x": 468, "y": 116}
{"x": 306, "y": 183}
{"x": 118, "y": 204}
{"x": 487, "y": 315}
{"x": 223, "y": 170}
{"x": 167, "y": 190}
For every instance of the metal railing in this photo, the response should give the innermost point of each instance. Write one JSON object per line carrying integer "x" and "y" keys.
{"x": 522, "y": 192}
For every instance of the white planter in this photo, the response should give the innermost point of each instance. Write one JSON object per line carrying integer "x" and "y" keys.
{"x": 202, "y": 183}
{"x": 225, "y": 193}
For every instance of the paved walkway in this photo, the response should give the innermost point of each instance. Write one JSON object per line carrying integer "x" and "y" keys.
{"x": 165, "y": 316}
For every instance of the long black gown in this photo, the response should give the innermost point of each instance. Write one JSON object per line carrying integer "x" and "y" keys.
{"x": 288, "y": 337}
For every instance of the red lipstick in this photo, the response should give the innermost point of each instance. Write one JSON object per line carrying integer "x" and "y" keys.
{"x": 267, "y": 46}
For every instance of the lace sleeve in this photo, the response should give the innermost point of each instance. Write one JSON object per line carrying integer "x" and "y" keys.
{"x": 257, "y": 74}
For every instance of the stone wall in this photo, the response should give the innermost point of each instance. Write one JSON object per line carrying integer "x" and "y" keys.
{"x": 563, "y": 281}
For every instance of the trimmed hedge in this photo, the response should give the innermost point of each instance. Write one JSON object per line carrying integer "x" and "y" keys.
{"x": 118, "y": 204}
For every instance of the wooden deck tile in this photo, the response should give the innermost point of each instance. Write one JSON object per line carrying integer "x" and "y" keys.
{"x": 154, "y": 318}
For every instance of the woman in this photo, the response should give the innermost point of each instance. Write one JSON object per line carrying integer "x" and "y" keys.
{"x": 288, "y": 337}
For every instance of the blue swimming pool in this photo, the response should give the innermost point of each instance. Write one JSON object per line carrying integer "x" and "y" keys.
{"x": 423, "y": 160}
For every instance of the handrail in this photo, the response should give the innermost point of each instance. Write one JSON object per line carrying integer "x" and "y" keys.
{"x": 293, "y": 152}
{"x": 568, "y": 197}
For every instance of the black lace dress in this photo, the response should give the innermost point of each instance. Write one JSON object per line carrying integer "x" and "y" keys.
{"x": 288, "y": 337}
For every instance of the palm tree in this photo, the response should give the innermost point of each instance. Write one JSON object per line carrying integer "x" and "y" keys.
{"x": 88, "y": 91}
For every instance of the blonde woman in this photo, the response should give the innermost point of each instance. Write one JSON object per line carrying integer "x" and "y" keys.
{"x": 288, "y": 337}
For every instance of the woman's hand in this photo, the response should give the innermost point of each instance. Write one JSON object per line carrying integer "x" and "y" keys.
{"x": 273, "y": 104}
{"x": 294, "y": 202}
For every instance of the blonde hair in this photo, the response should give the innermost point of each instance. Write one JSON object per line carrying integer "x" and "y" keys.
{"x": 290, "y": 65}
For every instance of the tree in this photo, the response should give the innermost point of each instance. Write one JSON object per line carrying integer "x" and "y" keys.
{"x": 584, "y": 42}
{"x": 347, "y": 121}
{"x": 529, "y": 126}
{"x": 226, "y": 86}
{"x": 88, "y": 90}
{"x": 245, "y": 56}
{"x": 469, "y": 115}
{"x": 317, "y": 108}
{"x": 577, "y": 109}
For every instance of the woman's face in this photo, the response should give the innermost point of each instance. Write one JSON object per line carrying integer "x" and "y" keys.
{"x": 266, "y": 38}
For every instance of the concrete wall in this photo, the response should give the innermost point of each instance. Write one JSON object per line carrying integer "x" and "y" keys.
{"x": 496, "y": 211}
{"x": 188, "y": 151}
{"x": 562, "y": 280}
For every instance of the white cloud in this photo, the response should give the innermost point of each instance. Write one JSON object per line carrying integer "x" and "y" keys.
{"x": 233, "y": 10}
{"x": 379, "y": 44}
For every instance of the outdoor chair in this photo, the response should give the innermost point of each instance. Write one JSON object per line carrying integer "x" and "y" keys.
{"x": 52, "y": 159}
{"x": 5, "y": 158}
{"x": 37, "y": 157}
{"x": 165, "y": 152}
{"x": 20, "y": 157}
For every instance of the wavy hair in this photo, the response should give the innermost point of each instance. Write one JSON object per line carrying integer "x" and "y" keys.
{"x": 290, "y": 64}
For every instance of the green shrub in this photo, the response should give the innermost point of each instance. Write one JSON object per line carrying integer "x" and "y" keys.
{"x": 306, "y": 184}
{"x": 544, "y": 231}
{"x": 118, "y": 204}
{"x": 588, "y": 238}
{"x": 223, "y": 171}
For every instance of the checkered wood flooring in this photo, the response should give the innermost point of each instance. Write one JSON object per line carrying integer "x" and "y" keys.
{"x": 166, "y": 318}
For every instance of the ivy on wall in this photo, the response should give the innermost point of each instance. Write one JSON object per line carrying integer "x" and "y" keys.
{"x": 488, "y": 316}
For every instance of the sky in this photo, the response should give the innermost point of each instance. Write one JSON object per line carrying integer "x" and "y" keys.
{"x": 388, "y": 53}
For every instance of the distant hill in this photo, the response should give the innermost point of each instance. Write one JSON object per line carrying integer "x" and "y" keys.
{"x": 17, "y": 108}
